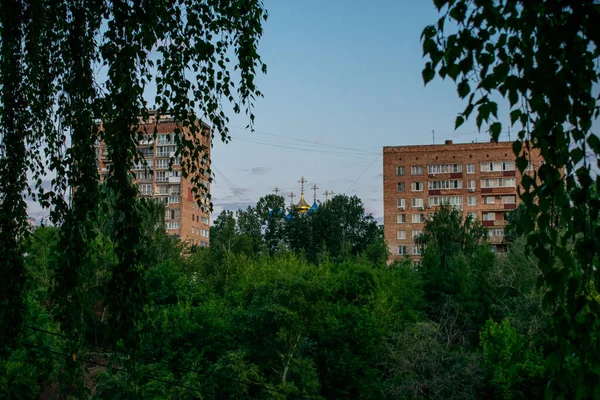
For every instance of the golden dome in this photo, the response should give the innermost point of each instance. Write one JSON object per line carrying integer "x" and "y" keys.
{"x": 302, "y": 205}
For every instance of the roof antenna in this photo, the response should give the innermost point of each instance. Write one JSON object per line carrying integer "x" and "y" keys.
{"x": 433, "y": 133}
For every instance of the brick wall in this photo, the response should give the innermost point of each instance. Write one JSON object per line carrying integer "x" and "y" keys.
{"x": 490, "y": 202}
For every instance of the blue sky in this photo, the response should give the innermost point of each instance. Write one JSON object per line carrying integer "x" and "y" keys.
{"x": 340, "y": 73}
{"x": 344, "y": 80}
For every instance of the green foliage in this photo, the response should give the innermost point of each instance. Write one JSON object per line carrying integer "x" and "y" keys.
{"x": 455, "y": 265}
{"x": 26, "y": 369}
{"x": 512, "y": 49}
{"x": 52, "y": 98}
{"x": 338, "y": 230}
{"x": 515, "y": 368}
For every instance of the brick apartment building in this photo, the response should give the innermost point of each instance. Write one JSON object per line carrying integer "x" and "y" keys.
{"x": 480, "y": 179}
{"x": 183, "y": 218}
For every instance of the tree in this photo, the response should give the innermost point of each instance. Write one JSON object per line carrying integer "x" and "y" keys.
{"x": 455, "y": 264}
{"x": 512, "y": 49}
{"x": 271, "y": 209}
{"x": 52, "y": 99}
{"x": 341, "y": 227}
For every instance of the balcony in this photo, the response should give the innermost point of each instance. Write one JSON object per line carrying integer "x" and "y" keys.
{"x": 174, "y": 179}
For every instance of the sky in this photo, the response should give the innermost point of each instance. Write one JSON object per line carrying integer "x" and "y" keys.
{"x": 343, "y": 81}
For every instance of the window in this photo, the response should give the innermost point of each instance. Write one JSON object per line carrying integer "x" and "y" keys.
{"x": 175, "y": 189}
{"x": 162, "y": 163}
{"x": 204, "y": 233}
{"x": 489, "y": 216}
{"x": 161, "y": 176}
{"x": 162, "y": 189}
{"x": 416, "y": 170}
{"x": 163, "y": 151}
{"x": 401, "y": 218}
{"x": 165, "y": 139}
{"x": 471, "y": 185}
{"x": 444, "y": 168}
{"x": 174, "y": 199}
{"x": 496, "y": 232}
{"x": 488, "y": 200}
{"x": 174, "y": 214}
{"x": 138, "y": 165}
{"x": 451, "y": 184}
{"x": 472, "y": 200}
{"x": 417, "y": 203}
{"x": 193, "y": 217}
{"x": 416, "y": 250}
{"x": 470, "y": 168}
{"x": 143, "y": 176}
{"x": 417, "y": 186}
{"x": 416, "y": 234}
{"x": 511, "y": 199}
{"x": 174, "y": 174}
{"x": 400, "y": 171}
{"x": 473, "y": 215}
{"x": 401, "y": 235}
{"x": 204, "y": 220}
{"x": 418, "y": 218}
{"x": 498, "y": 182}
{"x": 402, "y": 250}
{"x": 497, "y": 166}
{"x": 402, "y": 203}
{"x": 454, "y": 201}
{"x": 172, "y": 225}
{"x": 401, "y": 186}
{"x": 146, "y": 190}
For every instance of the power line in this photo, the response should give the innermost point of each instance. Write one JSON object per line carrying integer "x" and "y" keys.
{"x": 230, "y": 184}
{"x": 358, "y": 155}
{"x": 305, "y": 140}
{"x": 362, "y": 173}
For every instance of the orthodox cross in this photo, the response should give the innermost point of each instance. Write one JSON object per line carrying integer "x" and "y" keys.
{"x": 302, "y": 182}
{"x": 276, "y": 190}
{"x": 292, "y": 194}
{"x": 314, "y": 188}
{"x": 327, "y": 193}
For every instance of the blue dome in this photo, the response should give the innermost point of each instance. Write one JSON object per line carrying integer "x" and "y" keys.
{"x": 314, "y": 208}
{"x": 289, "y": 216}
{"x": 280, "y": 213}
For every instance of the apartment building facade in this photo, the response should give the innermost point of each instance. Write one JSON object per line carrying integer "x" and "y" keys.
{"x": 159, "y": 180}
{"x": 480, "y": 179}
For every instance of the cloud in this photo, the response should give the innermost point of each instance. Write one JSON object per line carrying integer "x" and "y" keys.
{"x": 256, "y": 170}
{"x": 233, "y": 205}
{"x": 260, "y": 170}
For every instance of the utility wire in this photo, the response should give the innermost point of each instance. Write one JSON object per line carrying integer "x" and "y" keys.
{"x": 362, "y": 173}
{"x": 346, "y": 154}
{"x": 249, "y": 384}
{"x": 230, "y": 184}
{"x": 306, "y": 141}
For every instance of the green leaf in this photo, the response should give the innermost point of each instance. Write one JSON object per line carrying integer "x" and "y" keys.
{"x": 463, "y": 88}
{"x": 594, "y": 143}
{"x": 459, "y": 121}
{"x": 428, "y": 73}
{"x": 495, "y": 130}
